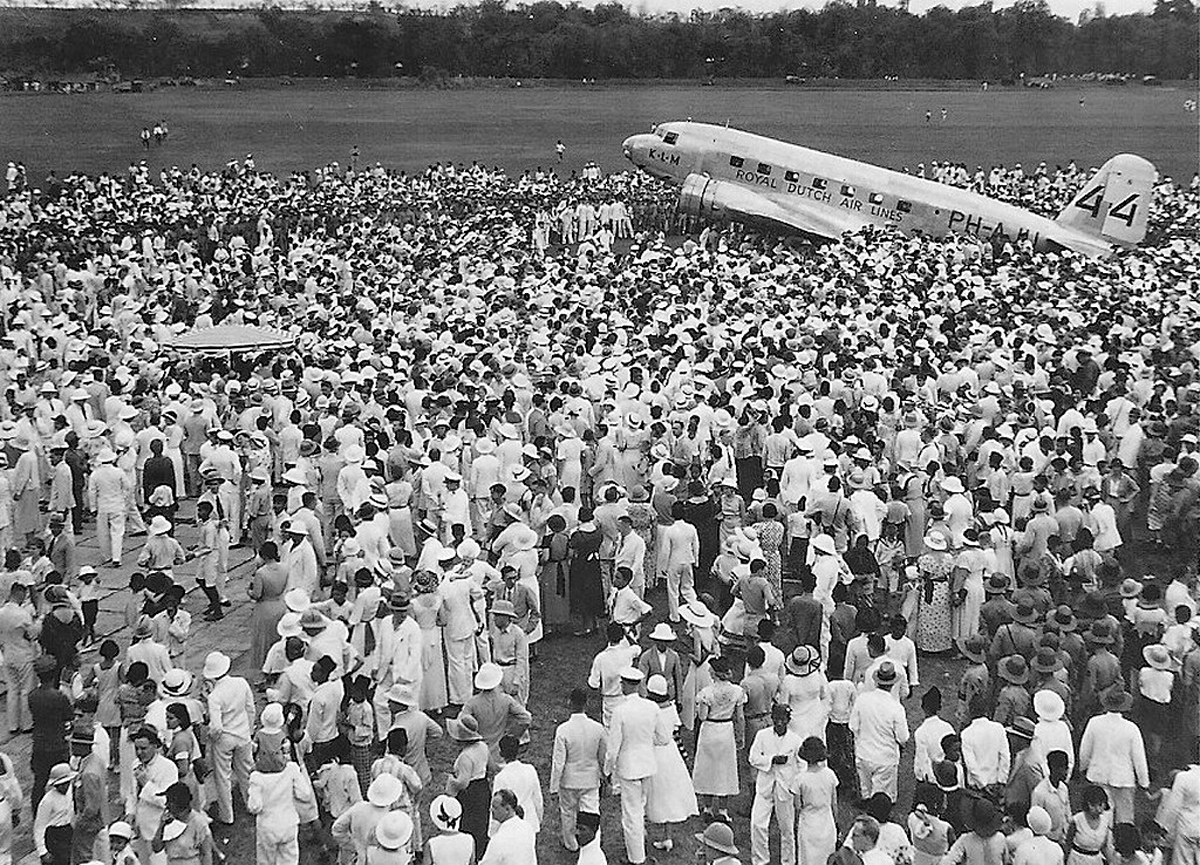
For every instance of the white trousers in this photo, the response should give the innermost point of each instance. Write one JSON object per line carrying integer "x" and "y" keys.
{"x": 110, "y": 533}
{"x": 460, "y": 668}
{"x": 232, "y": 762}
{"x": 782, "y": 804}
{"x": 633, "y": 818}
{"x": 680, "y": 581}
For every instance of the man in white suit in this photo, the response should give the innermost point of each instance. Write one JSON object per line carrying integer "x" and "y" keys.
{"x": 576, "y": 771}
{"x": 398, "y": 658}
{"x": 1113, "y": 754}
{"x": 630, "y": 760}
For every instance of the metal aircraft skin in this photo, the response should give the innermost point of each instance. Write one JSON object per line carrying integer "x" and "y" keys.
{"x": 726, "y": 173}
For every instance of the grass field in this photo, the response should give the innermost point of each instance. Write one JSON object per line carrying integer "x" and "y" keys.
{"x": 298, "y": 128}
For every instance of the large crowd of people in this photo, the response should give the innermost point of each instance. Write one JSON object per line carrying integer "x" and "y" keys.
{"x": 780, "y": 480}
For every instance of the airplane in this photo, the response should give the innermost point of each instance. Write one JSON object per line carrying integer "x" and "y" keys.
{"x": 729, "y": 174}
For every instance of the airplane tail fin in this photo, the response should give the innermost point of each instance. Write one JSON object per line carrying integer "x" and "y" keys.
{"x": 1113, "y": 205}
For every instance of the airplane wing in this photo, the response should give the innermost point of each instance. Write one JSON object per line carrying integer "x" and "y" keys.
{"x": 718, "y": 199}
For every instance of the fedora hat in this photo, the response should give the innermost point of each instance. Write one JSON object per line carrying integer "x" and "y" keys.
{"x": 1046, "y": 661}
{"x": 160, "y": 525}
{"x": 1014, "y": 670}
{"x": 504, "y": 608}
{"x": 1022, "y": 727}
{"x": 975, "y": 648}
{"x": 718, "y": 836}
{"x": 488, "y": 676}
{"x": 216, "y": 665}
{"x": 289, "y": 625}
{"x": 464, "y": 728}
{"x": 936, "y": 541}
{"x": 394, "y": 830}
{"x": 60, "y": 773}
{"x": 998, "y": 584}
{"x": 1064, "y": 618}
{"x": 885, "y": 674}
{"x": 386, "y": 789}
{"x": 1100, "y": 633}
{"x": 312, "y": 621}
{"x": 446, "y": 813}
{"x": 1025, "y": 613}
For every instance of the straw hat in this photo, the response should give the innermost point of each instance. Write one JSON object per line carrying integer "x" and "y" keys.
{"x": 1158, "y": 657}
{"x": 936, "y": 541}
{"x": 803, "y": 661}
{"x": 697, "y": 614}
{"x": 1014, "y": 670}
{"x": 160, "y": 525}
{"x": 656, "y": 686}
{"x": 446, "y": 813}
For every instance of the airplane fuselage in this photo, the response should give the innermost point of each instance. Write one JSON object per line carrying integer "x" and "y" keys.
{"x": 801, "y": 187}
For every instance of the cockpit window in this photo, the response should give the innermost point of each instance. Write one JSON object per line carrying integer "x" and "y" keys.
{"x": 670, "y": 138}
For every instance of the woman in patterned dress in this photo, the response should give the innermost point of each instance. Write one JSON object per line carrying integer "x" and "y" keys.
{"x": 770, "y": 538}
{"x": 642, "y": 516}
{"x": 933, "y": 603}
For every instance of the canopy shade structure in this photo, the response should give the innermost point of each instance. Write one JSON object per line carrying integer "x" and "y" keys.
{"x": 233, "y": 337}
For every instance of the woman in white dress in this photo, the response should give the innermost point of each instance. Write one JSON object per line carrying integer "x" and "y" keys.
{"x": 428, "y": 610}
{"x": 816, "y": 802}
{"x": 702, "y": 624}
{"x": 671, "y": 797}
{"x": 172, "y": 450}
{"x": 969, "y": 566}
{"x": 805, "y": 691}
{"x": 570, "y": 458}
{"x": 720, "y": 736}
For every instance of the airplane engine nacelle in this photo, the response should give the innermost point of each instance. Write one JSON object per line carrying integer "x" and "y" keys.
{"x": 701, "y": 196}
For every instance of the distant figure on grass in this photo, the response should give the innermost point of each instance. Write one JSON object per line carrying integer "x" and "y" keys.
{"x": 928, "y": 116}
{"x": 944, "y": 113}
{"x": 145, "y": 138}
{"x": 560, "y": 149}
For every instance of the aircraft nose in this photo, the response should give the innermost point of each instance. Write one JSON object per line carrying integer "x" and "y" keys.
{"x": 627, "y": 146}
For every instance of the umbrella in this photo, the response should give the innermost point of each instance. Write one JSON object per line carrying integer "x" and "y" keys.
{"x": 233, "y": 337}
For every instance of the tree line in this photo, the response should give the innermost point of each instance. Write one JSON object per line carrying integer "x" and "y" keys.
{"x": 550, "y": 40}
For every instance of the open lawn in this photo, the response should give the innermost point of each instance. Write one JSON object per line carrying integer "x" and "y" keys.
{"x": 291, "y": 128}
